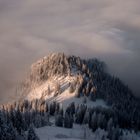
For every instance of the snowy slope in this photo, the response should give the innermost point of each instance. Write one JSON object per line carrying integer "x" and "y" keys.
{"x": 65, "y": 98}
{"x": 78, "y": 132}
{"x": 37, "y": 92}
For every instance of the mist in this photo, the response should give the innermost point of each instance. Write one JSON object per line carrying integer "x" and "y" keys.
{"x": 31, "y": 29}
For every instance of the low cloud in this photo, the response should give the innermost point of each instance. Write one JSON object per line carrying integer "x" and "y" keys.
{"x": 108, "y": 30}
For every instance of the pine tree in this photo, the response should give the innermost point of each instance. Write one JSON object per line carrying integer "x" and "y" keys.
{"x": 52, "y": 108}
{"x": 110, "y": 133}
{"x": 110, "y": 124}
{"x": 19, "y": 121}
{"x": 100, "y": 120}
{"x": 77, "y": 93}
{"x": 72, "y": 108}
{"x": 31, "y": 134}
{"x": 116, "y": 134}
{"x": 94, "y": 122}
{"x": 86, "y": 117}
{"x": 7, "y": 131}
{"x": 68, "y": 121}
{"x": 37, "y": 121}
{"x": 59, "y": 120}
{"x": 103, "y": 137}
{"x": 84, "y": 99}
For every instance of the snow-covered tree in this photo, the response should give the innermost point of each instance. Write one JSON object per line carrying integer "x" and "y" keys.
{"x": 59, "y": 120}
{"x": 7, "y": 131}
{"x": 31, "y": 134}
{"x": 86, "y": 117}
{"x": 68, "y": 121}
{"x": 110, "y": 124}
{"x": 94, "y": 122}
{"x": 52, "y": 108}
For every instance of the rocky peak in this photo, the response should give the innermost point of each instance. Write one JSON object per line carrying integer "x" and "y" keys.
{"x": 53, "y": 64}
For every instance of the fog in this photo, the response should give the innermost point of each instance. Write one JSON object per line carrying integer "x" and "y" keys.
{"x": 31, "y": 29}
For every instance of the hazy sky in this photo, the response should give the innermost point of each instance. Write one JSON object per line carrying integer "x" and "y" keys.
{"x": 106, "y": 29}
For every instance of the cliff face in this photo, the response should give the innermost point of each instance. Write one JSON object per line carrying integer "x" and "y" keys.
{"x": 54, "y": 64}
{"x": 53, "y": 75}
{"x": 49, "y": 73}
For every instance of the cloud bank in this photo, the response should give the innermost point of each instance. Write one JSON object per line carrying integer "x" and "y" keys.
{"x": 108, "y": 30}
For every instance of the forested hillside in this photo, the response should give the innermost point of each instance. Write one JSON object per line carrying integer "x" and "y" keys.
{"x": 81, "y": 80}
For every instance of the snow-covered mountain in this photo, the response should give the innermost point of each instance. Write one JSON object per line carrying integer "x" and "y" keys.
{"x": 59, "y": 78}
{"x": 73, "y": 95}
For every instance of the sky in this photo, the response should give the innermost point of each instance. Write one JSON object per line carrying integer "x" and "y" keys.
{"x": 106, "y": 29}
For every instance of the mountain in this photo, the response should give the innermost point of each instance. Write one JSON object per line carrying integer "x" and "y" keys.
{"x": 70, "y": 92}
{"x": 53, "y": 75}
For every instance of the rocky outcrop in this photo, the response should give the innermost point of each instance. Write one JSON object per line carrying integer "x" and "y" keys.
{"x": 54, "y": 64}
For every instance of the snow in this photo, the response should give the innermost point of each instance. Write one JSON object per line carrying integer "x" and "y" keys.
{"x": 37, "y": 92}
{"x": 65, "y": 98}
{"x": 76, "y": 133}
